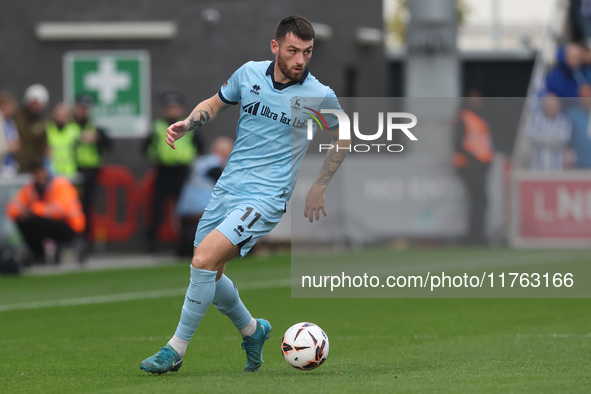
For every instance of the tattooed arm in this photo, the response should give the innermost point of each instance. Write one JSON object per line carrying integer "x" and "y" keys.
{"x": 334, "y": 158}
{"x": 203, "y": 113}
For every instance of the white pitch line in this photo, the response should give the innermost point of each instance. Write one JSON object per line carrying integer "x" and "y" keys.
{"x": 102, "y": 299}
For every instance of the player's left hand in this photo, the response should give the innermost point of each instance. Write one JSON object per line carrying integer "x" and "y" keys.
{"x": 314, "y": 203}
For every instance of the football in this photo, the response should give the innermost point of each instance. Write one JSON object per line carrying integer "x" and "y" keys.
{"x": 305, "y": 346}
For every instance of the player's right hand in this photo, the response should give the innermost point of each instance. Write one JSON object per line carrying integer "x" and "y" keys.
{"x": 315, "y": 203}
{"x": 176, "y": 131}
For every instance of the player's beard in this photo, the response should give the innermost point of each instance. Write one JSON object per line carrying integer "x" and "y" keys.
{"x": 288, "y": 72}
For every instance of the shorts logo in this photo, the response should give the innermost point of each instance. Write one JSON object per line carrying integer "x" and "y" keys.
{"x": 239, "y": 230}
{"x": 255, "y": 89}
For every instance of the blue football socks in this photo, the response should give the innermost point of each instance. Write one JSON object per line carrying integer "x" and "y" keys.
{"x": 228, "y": 302}
{"x": 200, "y": 294}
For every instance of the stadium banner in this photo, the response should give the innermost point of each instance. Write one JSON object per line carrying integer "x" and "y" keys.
{"x": 551, "y": 209}
{"x": 397, "y": 182}
{"x": 119, "y": 83}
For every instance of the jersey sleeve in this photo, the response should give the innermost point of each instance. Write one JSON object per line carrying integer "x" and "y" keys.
{"x": 230, "y": 93}
{"x": 331, "y": 102}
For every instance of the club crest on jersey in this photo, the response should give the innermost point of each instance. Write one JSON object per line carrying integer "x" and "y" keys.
{"x": 297, "y": 103}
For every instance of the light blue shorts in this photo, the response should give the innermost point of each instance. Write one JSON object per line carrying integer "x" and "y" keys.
{"x": 242, "y": 219}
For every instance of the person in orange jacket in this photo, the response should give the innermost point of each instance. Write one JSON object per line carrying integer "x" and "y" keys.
{"x": 473, "y": 155}
{"x": 46, "y": 208}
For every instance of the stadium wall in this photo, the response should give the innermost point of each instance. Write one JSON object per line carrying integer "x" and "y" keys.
{"x": 202, "y": 55}
{"x": 195, "y": 61}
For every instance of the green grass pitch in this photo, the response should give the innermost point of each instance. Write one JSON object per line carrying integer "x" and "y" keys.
{"x": 87, "y": 332}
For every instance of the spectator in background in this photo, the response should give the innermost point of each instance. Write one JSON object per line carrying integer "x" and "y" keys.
{"x": 566, "y": 77}
{"x": 581, "y": 136}
{"x": 92, "y": 143}
{"x": 62, "y": 136}
{"x": 586, "y": 64}
{"x": 196, "y": 192}
{"x": 172, "y": 166}
{"x": 581, "y": 17}
{"x": 549, "y": 132}
{"x": 9, "y": 140}
{"x": 586, "y": 67}
{"x": 473, "y": 154}
{"x": 30, "y": 124}
{"x": 46, "y": 208}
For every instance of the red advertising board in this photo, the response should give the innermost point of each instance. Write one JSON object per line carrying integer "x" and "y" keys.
{"x": 552, "y": 209}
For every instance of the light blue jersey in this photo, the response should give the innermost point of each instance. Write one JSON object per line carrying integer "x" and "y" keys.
{"x": 271, "y": 133}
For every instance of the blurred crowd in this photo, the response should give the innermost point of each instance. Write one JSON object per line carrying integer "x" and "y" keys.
{"x": 62, "y": 150}
{"x": 558, "y": 130}
{"x": 67, "y": 142}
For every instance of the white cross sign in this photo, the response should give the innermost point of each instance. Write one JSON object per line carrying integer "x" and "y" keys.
{"x": 119, "y": 84}
{"x": 107, "y": 80}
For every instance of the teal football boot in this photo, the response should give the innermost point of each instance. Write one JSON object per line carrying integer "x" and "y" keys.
{"x": 167, "y": 359}
{"x": 253, "y": 345}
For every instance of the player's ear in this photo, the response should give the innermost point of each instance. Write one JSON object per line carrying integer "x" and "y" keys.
{"x": 274, "y": 47}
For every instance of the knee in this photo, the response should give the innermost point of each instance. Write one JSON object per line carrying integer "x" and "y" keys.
{"x": 198, "y": 261}
{"x": 202, "y": 261}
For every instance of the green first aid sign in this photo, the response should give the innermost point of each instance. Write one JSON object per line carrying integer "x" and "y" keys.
{"x": 118, "y": 81}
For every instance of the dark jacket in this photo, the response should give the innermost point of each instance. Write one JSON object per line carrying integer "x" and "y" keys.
{"x": 562, "y": 80}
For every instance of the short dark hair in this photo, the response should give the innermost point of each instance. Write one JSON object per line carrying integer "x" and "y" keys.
{"x": 172, "y": 98}
{"x": 296, "y": 25}
{"x": 85, "y": 99}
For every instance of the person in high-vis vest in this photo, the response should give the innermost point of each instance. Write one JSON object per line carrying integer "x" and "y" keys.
{"x": 46, "y": 208}
{"x": 473, "y": 155}
{"x": 171, "y": 166}
{"x": 92, "y": 143}
{"x": 62, "y": 136}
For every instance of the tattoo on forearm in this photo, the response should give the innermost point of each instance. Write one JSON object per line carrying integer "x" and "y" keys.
{"x": 331, "y": 165}
{"x": 322, "y": 181}
{"x": 199, "y": 118}
{"x": 335, "y": 160}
